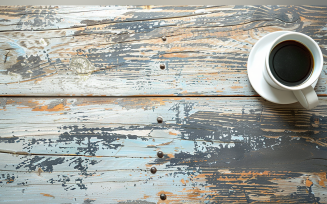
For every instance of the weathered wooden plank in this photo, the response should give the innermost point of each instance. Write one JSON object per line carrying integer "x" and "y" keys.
{"x": 129, "y": 123}
{"x": 116, "y": 51}
{"x": 184, "y": 185}
{"x": 65, "y": 16}
{"x": 229, "y": 149}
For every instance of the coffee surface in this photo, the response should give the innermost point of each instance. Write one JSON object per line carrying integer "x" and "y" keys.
{"x": 291, "y": 62}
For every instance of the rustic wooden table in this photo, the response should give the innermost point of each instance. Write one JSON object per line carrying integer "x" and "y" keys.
{"x": 82, "y": 88}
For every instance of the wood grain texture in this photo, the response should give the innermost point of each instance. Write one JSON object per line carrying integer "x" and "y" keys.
{"x": 100, "y": 149}
{"x": 222, "y": 150}
{"x": 117, "y": 50}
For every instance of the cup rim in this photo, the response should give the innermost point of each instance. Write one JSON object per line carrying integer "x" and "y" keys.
{"x": 303, "y": 84}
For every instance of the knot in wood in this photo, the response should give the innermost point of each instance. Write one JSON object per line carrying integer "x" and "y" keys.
{"x": 81, "y": 65}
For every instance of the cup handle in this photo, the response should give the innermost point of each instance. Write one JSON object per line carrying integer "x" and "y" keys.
{"x": 307, "y": 97}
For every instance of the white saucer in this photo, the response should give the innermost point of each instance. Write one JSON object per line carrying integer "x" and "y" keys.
{"x": 256, "y": 64}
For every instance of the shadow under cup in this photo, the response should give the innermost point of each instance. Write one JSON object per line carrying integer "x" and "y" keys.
{"x": 294, "y": 61}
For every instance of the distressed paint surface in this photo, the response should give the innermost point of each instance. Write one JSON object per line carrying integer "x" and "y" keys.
{"x": 100, "y": 149}
{"x": 117, "y": 50}
{"x": 95, "y": 150}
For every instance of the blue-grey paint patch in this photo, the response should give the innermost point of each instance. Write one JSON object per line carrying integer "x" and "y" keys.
{"x": 18, "y": 49}
{"x": 136, "y": 202}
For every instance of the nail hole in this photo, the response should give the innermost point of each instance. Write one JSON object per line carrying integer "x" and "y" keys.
{"x": 160, "y": 154}
{"x": 163, "y": 197}
{"x": 159, "y": 119}
{"x": 162, "y": 66}
{"x": 153, "y": 170}
{"x": 164, "y": 38}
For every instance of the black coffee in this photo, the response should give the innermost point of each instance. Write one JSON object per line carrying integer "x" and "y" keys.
{"x": 291, "y": 63}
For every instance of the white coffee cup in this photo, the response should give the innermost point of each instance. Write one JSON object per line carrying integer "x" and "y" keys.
{"x": 304, "y": 92}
